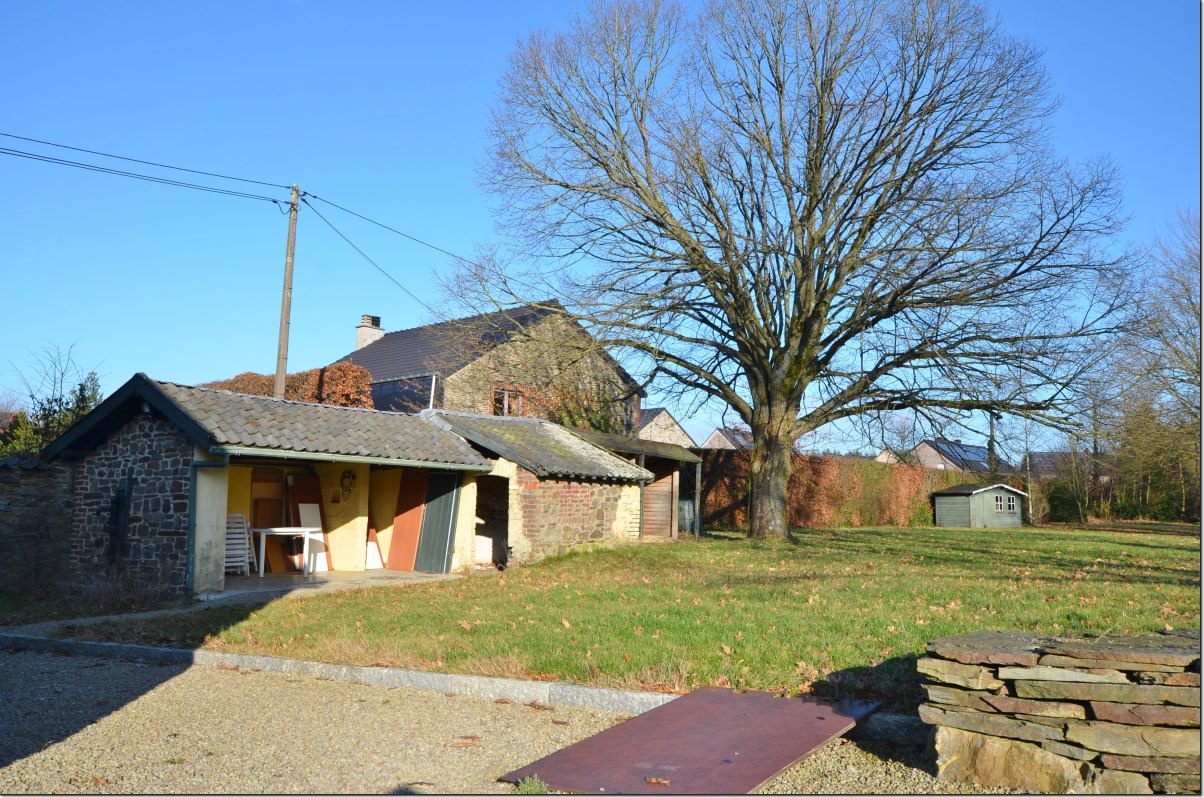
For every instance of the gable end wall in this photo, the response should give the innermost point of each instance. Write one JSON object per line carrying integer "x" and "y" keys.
{"x": 157, "y": 457}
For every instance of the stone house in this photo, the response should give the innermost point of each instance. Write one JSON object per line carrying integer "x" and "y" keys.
{"x": 658, "y": 424}
{"x": 729, "y": 438}
{"x": 157, "y": 467}
{"x": 531, "y": 361}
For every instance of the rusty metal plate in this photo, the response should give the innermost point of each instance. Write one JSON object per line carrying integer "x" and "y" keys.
{"x": 713, "y": 740}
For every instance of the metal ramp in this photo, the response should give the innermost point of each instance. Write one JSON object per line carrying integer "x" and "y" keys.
{"x": 712, "y": 741}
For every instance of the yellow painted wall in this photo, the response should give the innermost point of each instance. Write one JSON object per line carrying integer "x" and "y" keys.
{"x": 465, "y": 529}
{"x": 238, "y": 496}
{"x": 382, "y": 499}
{"x": 346, "y": 519}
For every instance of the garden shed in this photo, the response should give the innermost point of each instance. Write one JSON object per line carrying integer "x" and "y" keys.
{"x": 979, "y": 506}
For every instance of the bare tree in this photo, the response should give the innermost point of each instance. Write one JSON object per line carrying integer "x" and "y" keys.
{"x": 808, "y": 211}
{"x": 1168, "y": 354}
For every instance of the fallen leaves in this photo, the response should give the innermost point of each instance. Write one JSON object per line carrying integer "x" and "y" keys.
{"x": 659, "y": 782}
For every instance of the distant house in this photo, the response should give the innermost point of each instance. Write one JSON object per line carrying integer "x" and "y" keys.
{"x": 658, "y": 424}
{"x": 948, "y": 455}
{"x": 532, "y": 361}
{"x": 729, "y": 438}
{"x": 979, "y": 506}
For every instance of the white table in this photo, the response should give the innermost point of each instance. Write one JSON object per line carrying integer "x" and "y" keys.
{"x": 289, "y": 532}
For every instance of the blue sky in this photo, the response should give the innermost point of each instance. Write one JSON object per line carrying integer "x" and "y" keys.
{"x": 379, "y": 107}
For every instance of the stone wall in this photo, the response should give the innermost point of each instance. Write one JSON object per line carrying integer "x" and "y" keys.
{"x": 563, "y": 515}
{"x": 35, "y": 523}
{"x": 146, "y": 465}
{"x": 1111, "y": 714}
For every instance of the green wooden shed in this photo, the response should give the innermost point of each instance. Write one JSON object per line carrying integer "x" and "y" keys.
{"x": 979, "y": 506}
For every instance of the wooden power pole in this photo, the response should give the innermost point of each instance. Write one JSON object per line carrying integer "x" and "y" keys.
{"x": 286, "y": 300}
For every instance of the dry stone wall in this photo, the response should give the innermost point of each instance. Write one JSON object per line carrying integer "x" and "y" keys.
{"x": 1109, "y": 714}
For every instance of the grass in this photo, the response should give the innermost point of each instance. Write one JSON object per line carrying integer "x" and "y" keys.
{"x": 833, "y": 612}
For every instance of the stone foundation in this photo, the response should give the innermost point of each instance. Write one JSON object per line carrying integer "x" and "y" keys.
{"x": 1113, "y": 714}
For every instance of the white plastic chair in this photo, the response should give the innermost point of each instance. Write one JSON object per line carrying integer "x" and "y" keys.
{"x": 240, "y": 552}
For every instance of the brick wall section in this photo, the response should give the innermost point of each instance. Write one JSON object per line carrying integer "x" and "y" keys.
{"x": 35, "y": 519}
{"x": 563, "y": 515}
{"x": 157, "y": 457}
{"x": 1110, "y": 714}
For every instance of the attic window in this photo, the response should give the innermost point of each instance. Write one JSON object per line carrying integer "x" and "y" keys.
{"x": 507, "y": 401}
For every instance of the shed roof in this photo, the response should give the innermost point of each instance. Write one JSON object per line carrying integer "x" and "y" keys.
{"x": 631, "y": 445}
{"x": 969, "y": 489}
{"x": 232, "y": 423}
{"x": 543, "y": 448}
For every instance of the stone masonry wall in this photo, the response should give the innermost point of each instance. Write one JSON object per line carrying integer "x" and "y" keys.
{"x": 35, "y": 518}
{"x": 156, "y": 458}
{"x": 1110, "y": 714}
{"x": 563, "y": 515}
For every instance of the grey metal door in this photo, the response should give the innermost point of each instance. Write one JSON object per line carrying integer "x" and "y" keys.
{"x": 438, "y": 523}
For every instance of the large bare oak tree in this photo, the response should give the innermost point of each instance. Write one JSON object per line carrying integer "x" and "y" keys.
{"x": 808, "y": 211}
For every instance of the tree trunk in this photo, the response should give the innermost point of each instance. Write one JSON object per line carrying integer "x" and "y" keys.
{"x": 769, "y": 477}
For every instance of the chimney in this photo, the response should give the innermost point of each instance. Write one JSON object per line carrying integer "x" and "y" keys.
{"x": 368, "y": 331}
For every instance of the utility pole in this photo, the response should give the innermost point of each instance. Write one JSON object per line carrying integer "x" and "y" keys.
{"x": 286, "y": 300}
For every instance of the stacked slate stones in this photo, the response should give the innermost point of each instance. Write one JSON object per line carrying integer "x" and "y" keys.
{"x": 1107, "y": 714}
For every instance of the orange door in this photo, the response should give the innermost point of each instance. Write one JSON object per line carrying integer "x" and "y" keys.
{"x": 407, "y": 521}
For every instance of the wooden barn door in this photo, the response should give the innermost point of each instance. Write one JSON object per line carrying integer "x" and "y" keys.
{"x": 438, "y": 523}
{"x": 407, "y": 520}
{"x": 660, "y": 499}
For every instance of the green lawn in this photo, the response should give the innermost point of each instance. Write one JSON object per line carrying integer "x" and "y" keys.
{"x": 842, "y": 611}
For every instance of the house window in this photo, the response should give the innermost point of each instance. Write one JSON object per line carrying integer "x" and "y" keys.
{"x": 1011, "y": 504}
{"x": 507, "y": 401}
{"x": 998, "y": 502}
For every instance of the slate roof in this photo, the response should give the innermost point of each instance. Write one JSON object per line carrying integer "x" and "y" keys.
{"x": 630, "y": 445}
{"x": 445, "y": 347}
{"x": 234, "y": 423}
{"x": 970, "y": 489}
{"x": 543, "y": 448}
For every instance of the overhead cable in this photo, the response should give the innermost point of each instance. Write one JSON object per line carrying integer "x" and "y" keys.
{"x": 147, "y": 163}
{"x": 361, "y": 252}
{"x": 136, "y": 175}
{"x": 390, "y": 229}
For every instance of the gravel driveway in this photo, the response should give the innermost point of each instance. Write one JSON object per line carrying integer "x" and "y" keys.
{"x": 75, "y": 724}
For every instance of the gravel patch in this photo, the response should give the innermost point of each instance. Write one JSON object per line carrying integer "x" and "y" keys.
{"x": 79, "y": 724}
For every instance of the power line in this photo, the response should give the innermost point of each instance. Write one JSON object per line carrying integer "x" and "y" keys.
{"x": 147, "y": 163}
{"x": 390, "y": 229}
{"x": 136, "y": 175}
{"x": 379, "y": 268}
{"x": 223, "y": 191}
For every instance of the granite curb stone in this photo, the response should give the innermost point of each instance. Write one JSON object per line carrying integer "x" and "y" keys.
{"x": 880, "y": 726}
